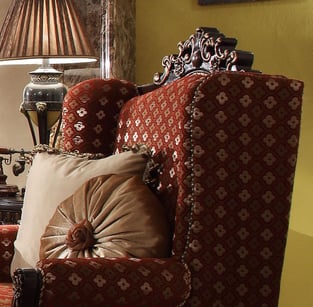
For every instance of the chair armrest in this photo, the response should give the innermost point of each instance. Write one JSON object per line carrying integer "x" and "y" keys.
{"x": 27, "y": 285}
{"x": 7, "y": 237}
{"x": 120, "y": 281}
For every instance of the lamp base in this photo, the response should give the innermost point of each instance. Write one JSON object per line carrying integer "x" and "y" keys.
{"x": 42, "y": 101}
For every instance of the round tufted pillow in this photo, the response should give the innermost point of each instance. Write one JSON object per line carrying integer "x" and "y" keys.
{"x": 108, "y": 216}
{"x": 90, "y": 114}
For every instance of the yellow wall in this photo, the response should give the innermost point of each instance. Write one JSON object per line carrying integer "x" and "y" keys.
{"x": 279, "y": 32}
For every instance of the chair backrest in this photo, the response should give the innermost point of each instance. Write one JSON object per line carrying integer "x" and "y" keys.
{"x": 227, "y": 139}
{"x": 228, "y": 142}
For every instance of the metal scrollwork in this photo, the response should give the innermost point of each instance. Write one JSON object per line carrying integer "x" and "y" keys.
{"x": 206, "y": 51}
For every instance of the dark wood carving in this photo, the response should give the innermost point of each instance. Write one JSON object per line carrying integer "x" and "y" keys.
{"x": 27, "y": 284}
{"x": 206, "y": 51}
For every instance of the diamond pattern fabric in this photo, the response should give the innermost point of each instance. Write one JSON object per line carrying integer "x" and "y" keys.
{"x": 7, "y": 237}
{"x": 90, "y": 110}
{"x": 229, "y": 144}
{"x": 115, "y": 282}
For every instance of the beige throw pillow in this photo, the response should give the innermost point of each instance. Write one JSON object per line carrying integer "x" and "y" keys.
{"x": 51, "y": 179}
{"x": 108, "y": 216}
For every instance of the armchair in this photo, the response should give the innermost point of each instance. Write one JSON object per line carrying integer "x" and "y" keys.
{"x": 227, "y": 139}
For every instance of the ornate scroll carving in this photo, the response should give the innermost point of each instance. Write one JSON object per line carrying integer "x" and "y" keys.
{"x": 206, "y": 51}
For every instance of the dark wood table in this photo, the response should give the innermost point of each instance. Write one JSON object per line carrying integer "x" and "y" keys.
{"x": 10, "y": 209}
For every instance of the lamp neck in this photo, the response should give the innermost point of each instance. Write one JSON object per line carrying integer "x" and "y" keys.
{"x": 45, "y": 64}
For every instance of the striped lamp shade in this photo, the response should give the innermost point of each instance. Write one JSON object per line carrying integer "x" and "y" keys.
{"x": 34, "y": 30}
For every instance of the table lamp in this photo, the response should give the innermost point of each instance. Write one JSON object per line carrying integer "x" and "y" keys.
{"x": 43, "y": 32}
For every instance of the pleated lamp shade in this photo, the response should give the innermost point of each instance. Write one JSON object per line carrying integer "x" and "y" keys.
{"x": 34, "y": 30}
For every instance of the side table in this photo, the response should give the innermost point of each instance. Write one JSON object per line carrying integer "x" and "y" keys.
{"x": 10, "y": 209}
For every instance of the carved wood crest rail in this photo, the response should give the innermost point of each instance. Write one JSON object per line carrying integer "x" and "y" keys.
{"x": 206, "y": 51}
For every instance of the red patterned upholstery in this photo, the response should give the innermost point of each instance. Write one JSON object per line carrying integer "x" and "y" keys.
{"x": 228, "y": 145}
{"x": 7, "y": 237}
{"x": 6, "y": 293}
{"x": 114, "y": 282}
{"x": 90, "y": 111}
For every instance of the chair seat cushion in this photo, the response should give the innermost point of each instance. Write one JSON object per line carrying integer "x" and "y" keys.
{"x": 108, "y": 216}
